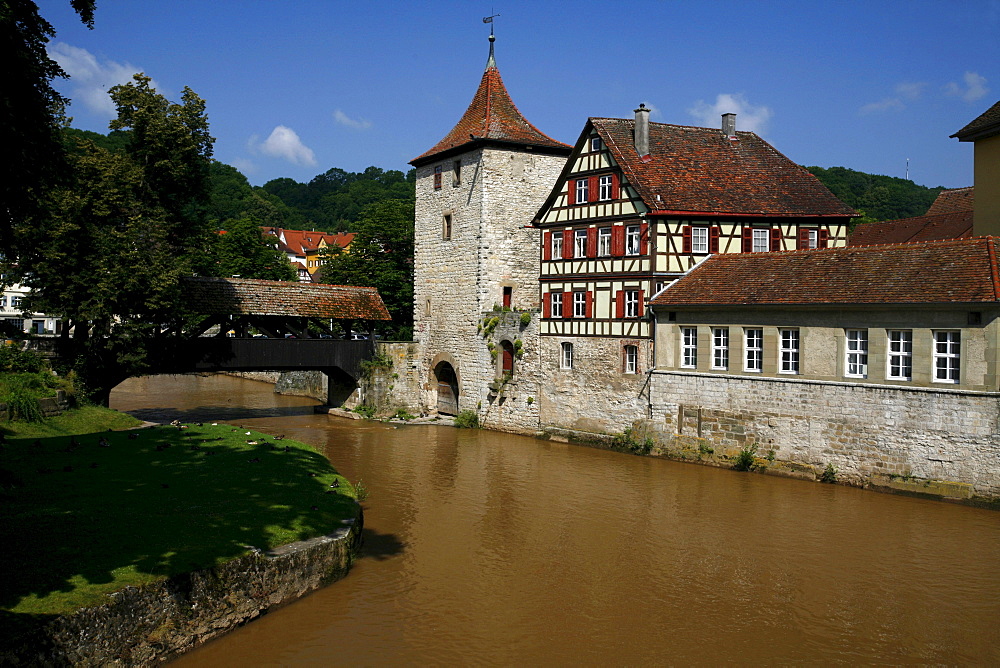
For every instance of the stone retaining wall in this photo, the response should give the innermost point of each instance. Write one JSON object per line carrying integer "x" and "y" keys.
{"x": 145, "y": 625}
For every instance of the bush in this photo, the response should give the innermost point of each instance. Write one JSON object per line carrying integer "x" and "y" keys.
{"x": 745, "y": 459}
{"x": 829, "y": 474}
{"x": 627, "y": 442}
{"x": 21, "y": 393}
{"x": 401, "y": 414}
{"x": 15, "y": 360}
{"x": 367, "y": 412}
{"x": 525, "y": 319}
{"x": 467, "y": 420}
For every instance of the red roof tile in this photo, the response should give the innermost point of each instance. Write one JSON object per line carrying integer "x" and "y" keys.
{"x": 300, "y": 241}
{"x": 245, "y": 296}
{"x": 954, "y": 225}
{"x": 492, "y": 117}
{"x": 953, "y": 199}
{"x": 952, "y": 271}
{"x": 701, "y": 170}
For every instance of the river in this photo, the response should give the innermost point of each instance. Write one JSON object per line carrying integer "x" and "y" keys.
{"x": 491, "y": 549}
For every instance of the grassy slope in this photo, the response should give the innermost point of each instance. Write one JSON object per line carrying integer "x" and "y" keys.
{"x": 80, "y": 522}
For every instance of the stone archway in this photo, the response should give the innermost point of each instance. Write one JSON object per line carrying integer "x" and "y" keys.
{"x": 446, "y": 381}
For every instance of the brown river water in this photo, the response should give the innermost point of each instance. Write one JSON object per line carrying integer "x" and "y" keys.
{"x": 484, "y": 548}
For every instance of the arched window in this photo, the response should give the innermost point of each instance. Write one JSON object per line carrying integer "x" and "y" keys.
{"x": 507, "y": 358}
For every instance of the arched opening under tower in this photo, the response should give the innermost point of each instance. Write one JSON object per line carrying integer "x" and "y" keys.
{"x": 447, "y": 388}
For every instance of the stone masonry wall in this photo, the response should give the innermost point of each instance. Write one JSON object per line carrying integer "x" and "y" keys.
{"x": 947, "y": 440}
{"x": 143, "y": 626}
{"x": 512, "y": 405}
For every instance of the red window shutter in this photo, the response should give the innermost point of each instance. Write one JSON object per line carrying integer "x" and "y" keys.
{"x": 747, "y": 239}
{"x": 775, "y": 239}
{"x": 642, "y": 304}
{"x": 686, "y": 244}
{"x": 803, "y": 238}
{"x": 567, "y": 244}
{"x": 620, "y": 304}
{"x": 590, "y": 304}
{"x": 547, "y": 305}
{"x": 571, "y": 192}
{"x": 547, "y": 246}
{"x": 592, "y": 242}
{"x": 824, "y": 239}
{"x": 616, "y": 190}
{"x": 618, "y": 240}
{"x": 643, "y": 238}
{"x": 592, "y": 191}
{"x": 713, "y": 239}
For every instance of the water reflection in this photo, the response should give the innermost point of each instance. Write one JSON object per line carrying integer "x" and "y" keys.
{"x": 495, "y": 549}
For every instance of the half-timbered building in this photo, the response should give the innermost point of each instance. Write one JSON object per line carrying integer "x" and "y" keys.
{"x": 636, "y": 205}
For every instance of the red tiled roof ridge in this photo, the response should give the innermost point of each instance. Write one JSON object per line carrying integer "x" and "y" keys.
{"x": 961, "y": 240}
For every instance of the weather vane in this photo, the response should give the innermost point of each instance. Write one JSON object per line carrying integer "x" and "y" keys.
{"x": 489, "y": 19}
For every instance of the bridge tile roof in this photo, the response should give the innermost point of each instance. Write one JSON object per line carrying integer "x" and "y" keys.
{"x": 246, "y": 296}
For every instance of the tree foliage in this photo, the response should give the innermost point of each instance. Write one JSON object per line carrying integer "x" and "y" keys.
{"x": 380, "y": 256}
{"x": 241, "y": 250}
{"x": 877, "y": 197}
{"x": 120, "y": 235}
{"x": 30, "y": 113}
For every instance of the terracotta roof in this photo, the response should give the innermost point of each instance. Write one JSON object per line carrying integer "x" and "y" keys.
{"x": 954, "y": 225}
{"x": 985, "y": 125}
{"x": 953, "y": 199}
{"x": 701, "y": 170}
{"x": 300, "y": 241}
{"x": 953, "y": 271}
{"x": 492, "y": 117}
{"x": 245, "y": 296}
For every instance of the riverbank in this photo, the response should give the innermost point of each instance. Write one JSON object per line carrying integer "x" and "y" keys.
{"x": 192, "y": 529}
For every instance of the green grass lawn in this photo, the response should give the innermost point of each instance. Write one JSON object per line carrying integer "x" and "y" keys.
{"x": 79, "y": 519}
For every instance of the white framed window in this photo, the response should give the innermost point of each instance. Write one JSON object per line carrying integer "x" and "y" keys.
{"x": 566, "y": 356}
{"x": 753, "y": 349}
{"x": 788, "y": 350}
{"x": 557, "y": 239}
{"x": 580, "y": 304}
{"x": 556, "y": 304}
{"x": 631, "y": 303}
{"x": 900, "y": 357}
{"x": 3, "y": 301}
{"x": 632, "y": 240}
{"x": 699, "y": 239}
{"x": 813, "y": 239}
{"x": 582, "y": 191}
{"x": 689, "y": 347}
{"x": 947, "y": 356}
{"x": 631, "y": 359}
{"x": 604, "y": 241}
{"x": 604, "y": 191}
{"x": 580, "y": 243}
{"x": 856, "y": 363}
{"x": 761, "y": 240}
{"x": 595, "y": 143}
{"x": 720, "y": 348}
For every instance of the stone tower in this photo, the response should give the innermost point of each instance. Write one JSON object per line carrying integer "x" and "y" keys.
{"x": 476, "y": 193}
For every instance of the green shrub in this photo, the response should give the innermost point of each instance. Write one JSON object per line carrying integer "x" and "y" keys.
{"x": 15, "y": 360}
{"x": 360, "y": 490}
{"x": 467, "y": 420}
{"x": 365, "y": 411}
{"x": 829, "y": 474}
{"x": 525, "y": 319}
{"x": 704, "y": 448}
{"x": 627, "y": 442}
{"x": 745, "y": 460}
{"x": 401, "y": 414}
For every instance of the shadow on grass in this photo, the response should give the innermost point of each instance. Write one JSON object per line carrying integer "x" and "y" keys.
{"x": 223, "y": 413}
{"x": 87, "y": 519}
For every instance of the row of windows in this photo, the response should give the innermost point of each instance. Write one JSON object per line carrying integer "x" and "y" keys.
{"x": 630, "y": 357}
{"x": 610, "y": 241}
{"x": 946, "y": 352}
{"x": 13, "y": 300}
{"x": 603, "y": 188}
{"x": 704, "y": 240}
{"x": 580, "y": 304}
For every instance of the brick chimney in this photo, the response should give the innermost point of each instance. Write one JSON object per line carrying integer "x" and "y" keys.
{"x": 729, "y": 125}
{"x": 642, "y": 131}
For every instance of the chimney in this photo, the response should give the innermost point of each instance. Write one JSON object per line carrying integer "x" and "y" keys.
{"x": 729, "y": 125}
{"x": 642, "y": 131}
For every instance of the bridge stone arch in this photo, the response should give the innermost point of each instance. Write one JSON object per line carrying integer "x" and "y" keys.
{"x": 445, "y": 382}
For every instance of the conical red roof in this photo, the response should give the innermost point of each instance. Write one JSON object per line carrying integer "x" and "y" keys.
{"x": 491, "y": 117}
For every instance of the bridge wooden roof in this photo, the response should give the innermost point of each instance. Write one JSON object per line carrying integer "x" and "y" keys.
{"x": 246, "y": 296}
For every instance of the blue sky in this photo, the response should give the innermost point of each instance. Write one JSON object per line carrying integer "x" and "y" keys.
{"x": 296, "y": 88}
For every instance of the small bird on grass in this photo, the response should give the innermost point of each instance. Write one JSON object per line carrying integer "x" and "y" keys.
{"x": 335, "y": 484}
{"x": 104, "y": 443}
{"x": 133, "y": 436}
{"x": 255, "y": 460}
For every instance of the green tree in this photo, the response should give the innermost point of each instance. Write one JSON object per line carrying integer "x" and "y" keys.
{"x": 119, "y": 237}
{"x": 876, "y": 197}
{"x": 380, "y": 256}
{"x": 241, "y": 250}
{"x": 30, "y": 115}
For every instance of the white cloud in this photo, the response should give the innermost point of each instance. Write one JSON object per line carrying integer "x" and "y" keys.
{"x": 974, "y": 87}
{"x": 244, "y": 165}
{"x": 748, "y": 117}
{"x": 358, "y": 124}
{"x": 905, "y": 91}
{"x": 654, "y": 111}
{"x": 284, "y": 143}
{"x": 90, "y": 78}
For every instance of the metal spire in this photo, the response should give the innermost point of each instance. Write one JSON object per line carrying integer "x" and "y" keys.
{"x": 489, "y": 19}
